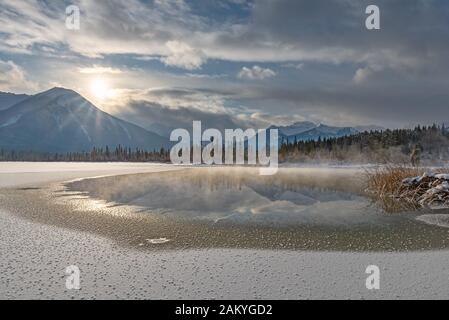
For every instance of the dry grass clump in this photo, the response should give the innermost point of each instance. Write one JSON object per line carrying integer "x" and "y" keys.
{"x": 403, "y": 188}
{"x": 385, "y": 181}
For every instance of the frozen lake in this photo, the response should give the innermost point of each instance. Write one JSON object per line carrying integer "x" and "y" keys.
{"x": 130, "y": 246}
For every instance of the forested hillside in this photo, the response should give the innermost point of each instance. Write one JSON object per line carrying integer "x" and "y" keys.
{"x": 424, "y": 145}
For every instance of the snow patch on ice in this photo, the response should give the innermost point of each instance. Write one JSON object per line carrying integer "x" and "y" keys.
{"x": 158, "y": 241}
{"x": 441, "y": 220}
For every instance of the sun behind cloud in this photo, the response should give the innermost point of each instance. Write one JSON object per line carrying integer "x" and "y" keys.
{"x": 100, "y": 89}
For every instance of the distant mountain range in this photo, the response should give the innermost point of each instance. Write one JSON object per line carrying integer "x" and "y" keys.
{"x": 61, "y": 120}
{"x": 306, "y": 131}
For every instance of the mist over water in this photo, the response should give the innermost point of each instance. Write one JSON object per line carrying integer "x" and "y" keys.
{"x": 321, "y": 208}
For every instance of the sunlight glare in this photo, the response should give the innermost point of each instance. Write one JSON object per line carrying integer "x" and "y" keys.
{"x": 99, "y": 88}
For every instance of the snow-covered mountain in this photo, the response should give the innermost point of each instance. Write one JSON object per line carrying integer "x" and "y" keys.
{"x": 304, "y": 131}
{"x": 61, "y": 120}
{"x": 295, "y": 129}
{"x": 9, "y": 99}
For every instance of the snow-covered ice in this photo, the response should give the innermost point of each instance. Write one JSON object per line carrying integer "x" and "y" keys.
{"x": 34, "y": 258}
{"x": 441, "y": 220}
{"x": 14, "y": 174}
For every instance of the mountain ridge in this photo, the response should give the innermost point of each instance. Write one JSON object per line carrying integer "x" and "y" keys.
{"x": 8, "y": 99}
{"x": 306, "y": 130}
{"x": 61, "y": 120}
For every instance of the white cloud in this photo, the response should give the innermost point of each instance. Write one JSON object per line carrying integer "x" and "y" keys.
{"x": 363, "y": 74}
{"x": 205, "y": 76}
{"x": 148, "y": 58}
{"x": 297, "y": 66}
{"x": 13, "y": 78}
{"x": 172, "y": 5}
{"x": 99, "y": 70}
{"x": 263, "y": 119}
{"x": 187, "y": 98}
{"x": 256, "y": 73}
{"x": 182, "y": 55}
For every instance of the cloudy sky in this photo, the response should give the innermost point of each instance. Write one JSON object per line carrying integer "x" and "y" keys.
{"x": 164, "y": 63}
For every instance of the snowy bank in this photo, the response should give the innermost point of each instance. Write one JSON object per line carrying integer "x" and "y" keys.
{"x": 429, "y": 190}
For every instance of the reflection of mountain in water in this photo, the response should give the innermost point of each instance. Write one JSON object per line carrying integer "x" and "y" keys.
{"x": 300, "y": 196}
{"x": 241, "y": 196}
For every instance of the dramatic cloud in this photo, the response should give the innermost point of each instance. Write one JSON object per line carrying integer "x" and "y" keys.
{"x": 256, "y": 72}
{"x": 164, "y": 109}
{"x": 284, "y": 30}
{"x": 348, "y": 74}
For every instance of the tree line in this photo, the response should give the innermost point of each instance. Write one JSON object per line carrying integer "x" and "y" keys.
{"x": 118, "y": 154}
{"x": 422, "y": 144}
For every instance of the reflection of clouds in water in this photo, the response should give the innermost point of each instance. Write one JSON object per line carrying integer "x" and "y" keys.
{"x": 158, "y": 241}
{"x": 293, "y": 196}
{"x": 277, "y": 207}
